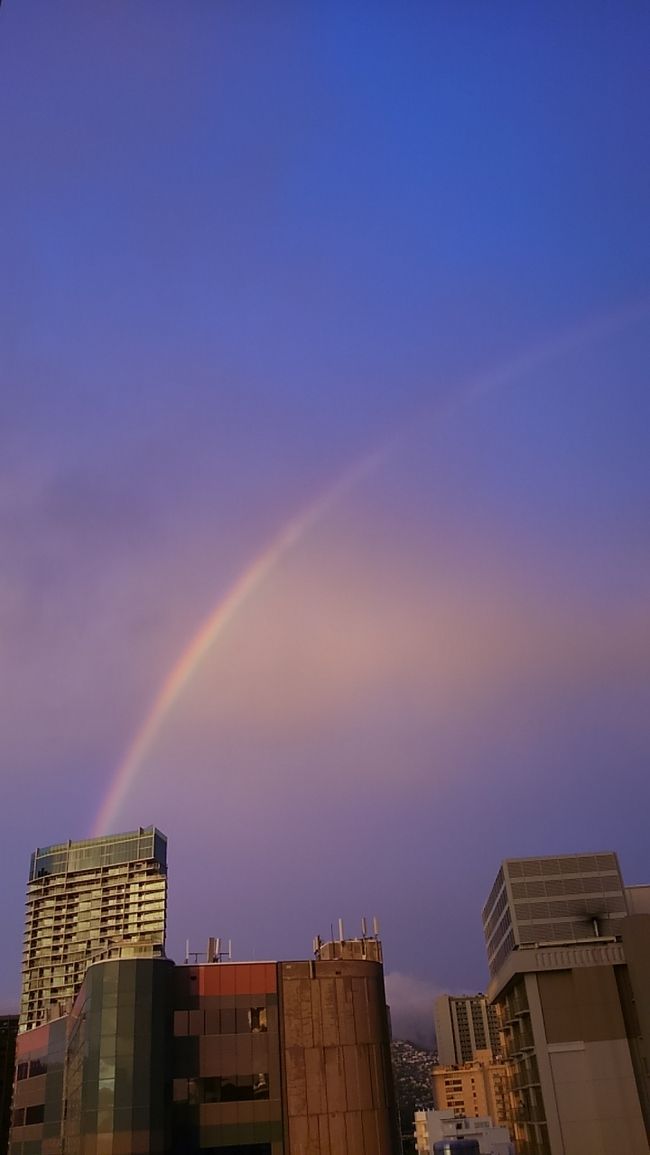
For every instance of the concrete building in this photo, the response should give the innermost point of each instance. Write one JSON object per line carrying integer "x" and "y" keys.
{"x": 432, "y": 1126}
{"x": 86, "y": 901}
{"x": 276, "y": 1058}
{"x": 473, "y": 1090}
{"x": 8, "y": 1032}
{"x": 465, "y": 1024}
{"x": 568, "y": 947}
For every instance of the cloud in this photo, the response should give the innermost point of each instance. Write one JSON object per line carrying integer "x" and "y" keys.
{"x": 411, "y": 1007}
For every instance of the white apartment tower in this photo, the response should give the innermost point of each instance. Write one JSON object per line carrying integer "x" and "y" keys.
{"x": 96, "y": 899}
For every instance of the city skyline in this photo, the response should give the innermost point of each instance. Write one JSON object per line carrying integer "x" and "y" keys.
{"x": 325, "y": 338}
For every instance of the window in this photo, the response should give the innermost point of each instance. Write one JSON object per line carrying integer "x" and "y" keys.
{"x": 228, "y": 1021}
{"x": 18, "y": 1117}
{"x": 34, "y": 1114}
{"x": 196, "y": 1022}
{"x": 212, "y": 1023}
{"x": 226, "y": 1089}
{"x": 180, "y": 1092}
{"x": 257, "y": 1019}
{"x": 22, "y": 1071}
{"x": 246, "y": 1149}
{"x": 181, "y": 1023}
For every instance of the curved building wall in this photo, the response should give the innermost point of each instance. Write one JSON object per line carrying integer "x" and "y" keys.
{"x": 335, "y": 1042}
{"x": 118, "y": 1078}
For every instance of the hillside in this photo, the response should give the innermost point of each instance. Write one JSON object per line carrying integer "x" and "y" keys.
{"x": 412, "y": 1073}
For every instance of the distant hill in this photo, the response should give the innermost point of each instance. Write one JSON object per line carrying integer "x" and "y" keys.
{"x": 412, "y": 1066}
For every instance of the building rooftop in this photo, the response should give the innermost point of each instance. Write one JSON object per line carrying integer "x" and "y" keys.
{"x": 91, "y": 853}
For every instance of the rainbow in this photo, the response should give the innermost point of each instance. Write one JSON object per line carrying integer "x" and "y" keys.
{"x": 254, "y": 576}
{"x": 215, "y": 624}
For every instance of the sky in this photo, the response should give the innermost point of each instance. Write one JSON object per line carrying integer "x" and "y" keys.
{"x": 379, "y": 272}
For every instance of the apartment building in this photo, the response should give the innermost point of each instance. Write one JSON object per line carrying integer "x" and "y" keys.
{"x": 472, "y": 1090}
{"x": 465, "y": 1024}
{"x": 89, "y": 900}
{"x": 568, "y": 947}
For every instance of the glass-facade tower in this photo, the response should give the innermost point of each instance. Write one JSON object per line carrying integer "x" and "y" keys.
{"x": 96, "y": 899}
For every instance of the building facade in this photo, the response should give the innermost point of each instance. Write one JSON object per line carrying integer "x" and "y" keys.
{"x": 277, "y": 1058}
{"x": 86, "y": 901}
{"x": 8, "y": 1032}
{"x": 472, "y": 1090}
{"x": 432, "y": 1126}
{"x": 569, "y": 953}
{"x": 465, "y": 1024}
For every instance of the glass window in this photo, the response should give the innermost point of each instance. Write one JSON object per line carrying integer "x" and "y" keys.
{"x": 104, "y": 1120}
{"x": 35, "y": 1114}
{"x": 212, "y": 1090}
{"x": 212, "y": 1022}
{"x": 261, "y": 1085}
{"x": 257, "y": 1020}
{"x": 196, "y": 1024}
{"x": 108, "y": 1025}
{"x": 105, "y": 1093}
{"x": 231, "y": 1088}
{"x": 181, "y": 1026}
{"x": 180, "y": 1090}
{"x": 228, "y": 1021}
{"x": 228, "y": 1091}
{"x": 239, "y": 1149}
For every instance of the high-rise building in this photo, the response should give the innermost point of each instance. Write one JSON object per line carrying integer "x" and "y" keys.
{"x": 8, "y": 1031}
{"x": 568, "y": 947}
{"x": 260, "y": 1058}
{"x": 90, "y": 900}
{"x": 472, "y": 1090}
{"x": 465, "y": 1024}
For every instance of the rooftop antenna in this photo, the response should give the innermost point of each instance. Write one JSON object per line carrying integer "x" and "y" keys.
{"x": 375, "y": 926}
{"x": 341, "y": 935}
{"x": 220, "y": 953}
